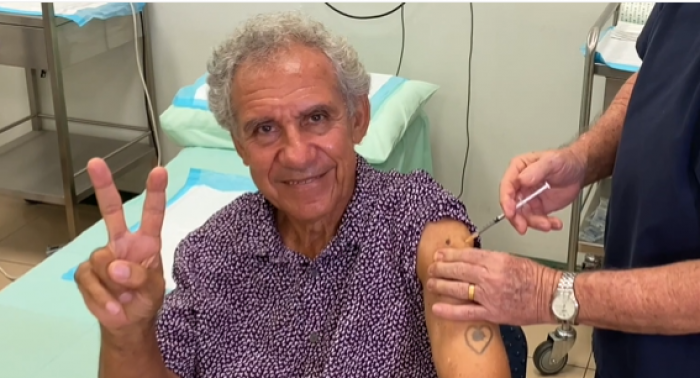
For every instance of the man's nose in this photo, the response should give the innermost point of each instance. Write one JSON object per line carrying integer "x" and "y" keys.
{"x": 296, "y": 152}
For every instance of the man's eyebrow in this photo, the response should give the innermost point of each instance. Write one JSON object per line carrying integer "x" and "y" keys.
{"x": 318, "y": 107}
{"x": 250, "y": 125}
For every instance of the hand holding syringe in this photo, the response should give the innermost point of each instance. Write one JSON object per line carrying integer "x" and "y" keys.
{"x": 520, "y": 204}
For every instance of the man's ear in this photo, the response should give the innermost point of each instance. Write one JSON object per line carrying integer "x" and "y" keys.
{"x": 360, "y": 121}
{"x": 240, "y": 149}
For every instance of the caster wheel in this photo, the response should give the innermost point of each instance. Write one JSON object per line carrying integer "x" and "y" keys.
{"x": 542, "y": 359}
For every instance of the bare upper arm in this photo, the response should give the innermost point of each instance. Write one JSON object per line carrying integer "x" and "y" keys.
{"x": 460, "y": 349}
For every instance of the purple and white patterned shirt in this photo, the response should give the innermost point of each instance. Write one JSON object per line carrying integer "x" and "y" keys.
{"x": 246, "y": 306}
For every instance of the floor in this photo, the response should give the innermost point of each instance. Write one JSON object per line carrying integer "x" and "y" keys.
{"x": 27, "y": 230}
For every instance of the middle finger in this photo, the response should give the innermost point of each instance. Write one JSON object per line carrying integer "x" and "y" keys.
{"x": 459, "y": 271}
{"x": 154, "y": 204}
{"x": 534, "y": 216}
{"x": 453, "y": 289}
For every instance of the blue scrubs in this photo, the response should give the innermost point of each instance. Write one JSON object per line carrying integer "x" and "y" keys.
{"x": 654, "y": 211}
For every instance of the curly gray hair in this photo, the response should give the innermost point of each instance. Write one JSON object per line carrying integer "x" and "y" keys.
{"x": 264, "y": 35}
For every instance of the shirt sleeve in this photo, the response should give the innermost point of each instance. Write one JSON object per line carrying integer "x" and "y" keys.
{"x": 648, "y": 30}
{"x": 426, "y": 201}
{"x": 177, "y": 320}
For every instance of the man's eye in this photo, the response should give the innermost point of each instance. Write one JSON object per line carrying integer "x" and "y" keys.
{"x": 317, "y": 117}
{"x": 264, "y": 129}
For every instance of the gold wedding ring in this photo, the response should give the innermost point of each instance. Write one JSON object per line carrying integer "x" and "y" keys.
{"x": 472, "y": 288}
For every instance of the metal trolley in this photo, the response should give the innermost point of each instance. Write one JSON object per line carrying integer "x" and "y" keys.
{"x": 50, "y": 166}
{"x": 551, "y": 356}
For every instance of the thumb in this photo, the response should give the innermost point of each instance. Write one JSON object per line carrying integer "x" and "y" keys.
{"x": 536, "y": 173}
{"x": 128, "y": 274}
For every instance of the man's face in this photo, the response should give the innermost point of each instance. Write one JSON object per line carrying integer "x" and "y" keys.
{"x": 295, "y": 134}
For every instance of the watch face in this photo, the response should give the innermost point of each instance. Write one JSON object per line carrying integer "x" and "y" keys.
{"x": 564, "y": 306}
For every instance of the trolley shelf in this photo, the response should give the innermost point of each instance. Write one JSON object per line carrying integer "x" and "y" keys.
{"x": 594, "y": 249}
{"x": 30, "y": 167}
{"x": 49, "y": 166}
{"x": 610, "y": 73}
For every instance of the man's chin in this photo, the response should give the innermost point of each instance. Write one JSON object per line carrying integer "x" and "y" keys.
{"x": 310, "y": 210}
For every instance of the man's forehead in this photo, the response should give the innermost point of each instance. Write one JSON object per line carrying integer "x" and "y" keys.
{"x": 293, "y": 60}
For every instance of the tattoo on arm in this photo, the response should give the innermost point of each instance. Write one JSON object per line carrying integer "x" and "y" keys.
{"x": 478, "y": 338}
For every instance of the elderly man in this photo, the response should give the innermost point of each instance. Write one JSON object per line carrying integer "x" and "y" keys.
{"x": 318, "y": 274}
{"x": 644, "y": 305}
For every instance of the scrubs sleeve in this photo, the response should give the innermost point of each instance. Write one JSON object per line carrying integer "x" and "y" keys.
{"x": 648, "y": 30}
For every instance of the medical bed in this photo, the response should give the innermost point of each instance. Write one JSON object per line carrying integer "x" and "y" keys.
{"x": 46, "y": 329}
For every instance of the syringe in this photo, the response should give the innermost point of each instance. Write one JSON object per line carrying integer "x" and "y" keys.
{"x": 519, "y": 205}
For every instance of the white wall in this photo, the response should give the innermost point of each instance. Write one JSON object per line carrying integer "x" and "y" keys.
{"x": 527, "y": 73}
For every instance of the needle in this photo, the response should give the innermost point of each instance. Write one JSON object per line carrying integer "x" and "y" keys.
{"x": 499, "y": 218}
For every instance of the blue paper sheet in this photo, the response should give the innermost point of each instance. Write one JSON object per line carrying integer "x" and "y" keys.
{"x": 83, "y": 16}
{"x": 616, "y": 66}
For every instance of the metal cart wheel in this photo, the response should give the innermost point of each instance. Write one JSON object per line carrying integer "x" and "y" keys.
{"x": 542, "y": 358}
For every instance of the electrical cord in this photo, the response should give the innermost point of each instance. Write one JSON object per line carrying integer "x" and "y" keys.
{"x": 398, "y": 8}
{"x": 149, "y": 118}
{"x": 469, "y": 97}
{"x": 7, "y": 275}
{"x": 150, "y": 114}
{"x": 371, "y": 17}
{"x": 403, "y": 38}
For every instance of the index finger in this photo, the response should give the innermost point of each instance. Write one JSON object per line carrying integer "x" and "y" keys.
{"x": 108, "y": 199}
{"x": 510, "y": 184}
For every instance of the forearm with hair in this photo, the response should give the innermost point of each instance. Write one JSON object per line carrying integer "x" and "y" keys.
{"x": 132, "y": 355}
{"x": 661, "y": 300}
{"x": 598, "y": 146}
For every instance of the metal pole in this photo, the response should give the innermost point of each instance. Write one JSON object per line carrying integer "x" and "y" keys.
{"x": 33, "y": 94}
{"x": 61, "y": 117}
{"x": 584, "y": 120}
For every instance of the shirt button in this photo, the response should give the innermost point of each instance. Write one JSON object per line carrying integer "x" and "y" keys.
{"x": 315, "y": 337}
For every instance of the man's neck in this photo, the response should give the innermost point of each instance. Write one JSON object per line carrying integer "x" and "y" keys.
{"x": 312, "y": 237}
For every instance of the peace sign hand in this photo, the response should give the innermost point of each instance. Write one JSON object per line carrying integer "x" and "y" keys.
{"x": 122, "y": 283}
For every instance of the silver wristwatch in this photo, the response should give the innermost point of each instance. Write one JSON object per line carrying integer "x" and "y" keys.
{"x": 564, "y": 304}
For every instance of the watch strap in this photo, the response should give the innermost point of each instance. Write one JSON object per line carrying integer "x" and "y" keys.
{"x": 567, "y": 281}
{"x": 566, "y": 284}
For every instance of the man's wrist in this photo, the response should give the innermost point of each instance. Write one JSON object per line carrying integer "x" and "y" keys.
{"x": 579, "y": 151}
{"x": 128, "y": 338}
{"x": 548, "y": 287}
{"x": 132, "y": 352}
